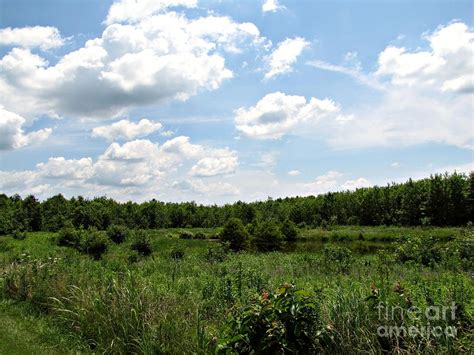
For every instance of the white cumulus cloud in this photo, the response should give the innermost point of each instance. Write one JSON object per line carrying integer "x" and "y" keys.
{"x": 126, "y": 130}
{"x": 271, "y": 6}
{"x": 43, "y": 37}
{"x": 277, "y": 113}
{"x": 12, "y": 135}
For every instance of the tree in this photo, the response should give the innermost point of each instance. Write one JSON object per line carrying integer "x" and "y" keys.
{"x": 235, "y": 234}
{"x": 268, "y": 237}
{"x": 289, "y": 230}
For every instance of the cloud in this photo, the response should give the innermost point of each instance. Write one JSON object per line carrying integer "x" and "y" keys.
{"x": 277, "y": 114}
{"x": 446, "y": 66}
{"x": 136, "y": 10}
{"x": 126, "y": 130}
{"x": 355, "y": 184}
{"x": 324, "y": 183}
{"x": 271, "y": 6}
{"x": 43, "y": 37}
{"x": 203, "y": 188}
{"x": 332, "y": 181}
{"x": 223, "y": 162}
{"x": 282, "y": 59}
{"x": 395, "y": 164}
{"x": 12, "y": 135}
{"x": 58, "y": 167}
{"x": 157, "y": 59}
{"x": 425, "y": 95}
{"x": 294, "y": 172}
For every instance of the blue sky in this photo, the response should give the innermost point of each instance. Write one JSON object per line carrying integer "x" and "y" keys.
{"x": 217, "y": 101}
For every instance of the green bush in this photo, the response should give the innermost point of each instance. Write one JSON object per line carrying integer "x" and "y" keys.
{"x": 69, "y": 237}
{"x": 337, "y": 258}
{"x": 95, "y": 244}
{"x": 186, "y": 235}
{"x": 142, "y": 243}
{"x": 19, "y": 235}
{"x": 425, "y": 251}
{"x": 117, "y": 233}
{"x": 289, "y": 230}
{"x": 286, "y": 321}
{"x": 216, "y": 254}
{"x": 177, "y": 253}
{"x": 268, "y": 237}
{"x": 200, "y": 236}
{"x": 235, "y": 234}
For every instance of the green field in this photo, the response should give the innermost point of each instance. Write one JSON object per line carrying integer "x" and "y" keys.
{"x": 187, "y": 296}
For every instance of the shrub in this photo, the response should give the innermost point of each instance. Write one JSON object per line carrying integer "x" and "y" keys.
{"x": 337, "y": 258}
{"x": 95, "y": 244}
{"x": 235, "y": 234}
{"x": 142, "y": 243}
{"x": 289, "y": 230}
{"x": 216, "y": 254}
{"x": 199, "y": 235}
{"x": 286, "y": 321}
{"x": 186, "y": 235}
{"x": 177, "y": 253}
{"x": 69, "y": 237}
{"x": 117, "y": 233}
{"x": 353, "y": 221}
{"x": 19, "y": 235}
{"x": 268, "y": 237}
{"x": 420, "y": 250}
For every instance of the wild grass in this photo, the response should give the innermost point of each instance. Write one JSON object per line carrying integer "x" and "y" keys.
{"x": 161, "y": 304}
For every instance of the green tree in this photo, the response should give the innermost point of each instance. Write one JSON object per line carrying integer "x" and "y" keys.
{"x": 235, "y": 234}
{"x": 268, "y": 237}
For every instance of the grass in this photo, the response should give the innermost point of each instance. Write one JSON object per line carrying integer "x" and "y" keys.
{"x": 158, "y": 304}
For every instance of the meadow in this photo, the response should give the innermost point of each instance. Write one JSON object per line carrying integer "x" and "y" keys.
{"x": 335, "y": 290}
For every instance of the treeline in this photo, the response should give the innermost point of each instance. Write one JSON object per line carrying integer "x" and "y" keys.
{"x": 441, "y": 200}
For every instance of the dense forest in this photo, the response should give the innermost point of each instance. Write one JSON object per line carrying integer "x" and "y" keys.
{"x": 441, "y": 200}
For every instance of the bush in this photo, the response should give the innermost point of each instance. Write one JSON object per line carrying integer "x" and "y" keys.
{"x": 268, "y": 237}
{"x": 289, "y": 230}
{"x": 286, "y": 321}
{"x": 142, "y": 243}
{"x": 216, "y": 254}
{"x": 177, "y": 253}
{"x": 200, "y": 236}
{"x": 420, "y": 250}
{"x": 117, "y": 233}
{"x": 186, "y": 235}
{"x": 95, "y": 244}
{"x": 235, "y": 234}
{"x": 337, "y": 258}
{"x": 19, "y": 235}
{"x": 69, "y": 237}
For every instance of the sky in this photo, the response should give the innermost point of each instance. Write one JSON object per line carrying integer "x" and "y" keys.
{"x": 220, "y": 100}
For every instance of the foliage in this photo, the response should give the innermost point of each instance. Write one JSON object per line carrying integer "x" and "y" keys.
{"x": 337, "y": 258}
{"x": 268, "y": 237}
{"x": 235, "y": 234}
{"x": 290, "y": 231}
{"x": 441, "y": 200}
{"x": 117, "y": 233}
{"x": 95, "y": 244}
{"x": 69, "y": 237}
{"x": 19, "y": 235}
{"x": 199, "y": 236}
{"x": 216, "y": 254}
{"x": 286, "y": 321}
{"x": 186, "y": 235}
{"x": 420, "y": 250}
{"x": 141, "y": 243}
{"x": 177, "y": 253}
